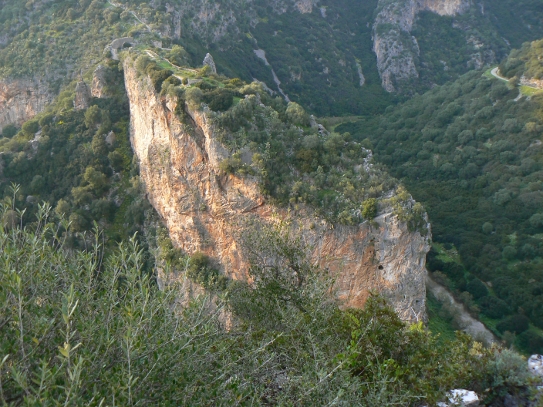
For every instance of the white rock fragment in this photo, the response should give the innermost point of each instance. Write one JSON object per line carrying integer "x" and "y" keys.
{"x": 535, "y": 364}
{"x": 463, "y": 398}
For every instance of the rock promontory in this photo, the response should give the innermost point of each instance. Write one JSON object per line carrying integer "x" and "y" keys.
{"x": 203, "y": 208}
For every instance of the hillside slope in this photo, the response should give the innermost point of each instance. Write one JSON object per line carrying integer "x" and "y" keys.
{"x": 332, "y": 57}
{"x": 471, "y": 151}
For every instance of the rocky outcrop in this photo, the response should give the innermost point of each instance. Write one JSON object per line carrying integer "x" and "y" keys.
{"x": 461, "y": 398}
{"x": 305, "y": 6}
{"x": 208, "y": 61}
{"x": 535, "y": 365}
{"x": 99, "y": 82}
{"x": 82, "y": 96}
{"x": 396, "y": 49}
{"x": 203, "y": 209}
{"x": 531, "y": 82}
{"x": 22, "y": 99}
{"x": 445, "y": 7}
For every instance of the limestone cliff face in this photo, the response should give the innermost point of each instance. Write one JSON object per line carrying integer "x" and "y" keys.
{"x": 393, "y": 44}
{"x": 445, "y": 7}
{"x": 22, "y": 99}
{"x": 202, "y": 207}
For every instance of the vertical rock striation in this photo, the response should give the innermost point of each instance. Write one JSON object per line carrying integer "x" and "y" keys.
{"x": 22, "y": 99}
{"x": 203, "y": 209}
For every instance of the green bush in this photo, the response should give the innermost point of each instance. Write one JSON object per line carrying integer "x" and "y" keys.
{"x": 201, "y": 270}
{"x": 30, "y": 128}
{"x": 514, "y": 323}
{"x": 369, "y": 209}
{"x": 179, "y": 56}
{"x": 297, "y": 114}
{"x": 476, "y": 288}
{"x": 158, "y": 76}
{"x": 219, "y": 100}
{"x": 493, "y": 307}
{"x": 9, "y": 131}
{"x": 92, "y": 325}
{"x": 93, "y": 116}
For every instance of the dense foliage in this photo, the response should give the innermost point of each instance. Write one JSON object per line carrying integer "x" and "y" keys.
{"x": 516, "y": 20}
{"x": 91, "y": 328}
{"x": 471, "y": 152}
{"x": 317, "y": 56}
{"x": 81, "y": 162}
{"x": 525, "y": 61}
{"x": 299, "y": 164}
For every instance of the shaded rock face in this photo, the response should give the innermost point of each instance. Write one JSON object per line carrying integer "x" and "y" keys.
{"x": 82, "y": 96}
{"x": 393, "y": 44}
{"x": 204, "y": 209}
{"x": 21, "y": 100}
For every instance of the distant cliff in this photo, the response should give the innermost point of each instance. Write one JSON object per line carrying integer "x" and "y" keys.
{"x": 202, "y": 207}
{"x": 394, "y": 46}
{"x": 22, "y": 99}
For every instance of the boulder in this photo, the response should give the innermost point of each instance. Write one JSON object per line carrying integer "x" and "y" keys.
{"x": 111, "y": 138}
{"x": 461, "y": 398}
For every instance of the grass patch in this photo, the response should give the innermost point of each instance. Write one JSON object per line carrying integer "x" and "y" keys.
{"x": 529, "y": 91}
{"x": 488, "y": 73}
{"x": 437, "y": 324}
{"x": 447, "y": 255}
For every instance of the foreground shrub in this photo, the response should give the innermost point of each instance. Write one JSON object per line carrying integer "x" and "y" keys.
{"x": 91, "y": 328}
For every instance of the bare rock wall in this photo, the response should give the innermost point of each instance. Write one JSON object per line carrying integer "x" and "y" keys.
{"x": 21, "y": 100}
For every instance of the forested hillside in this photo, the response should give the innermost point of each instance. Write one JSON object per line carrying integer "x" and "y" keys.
{"x": 80, "y": 162}
{"x": 471, "y": 152}
{"x": 321, "y": 53}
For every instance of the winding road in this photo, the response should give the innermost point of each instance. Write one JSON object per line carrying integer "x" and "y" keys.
{"x": 494, "y": 73}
